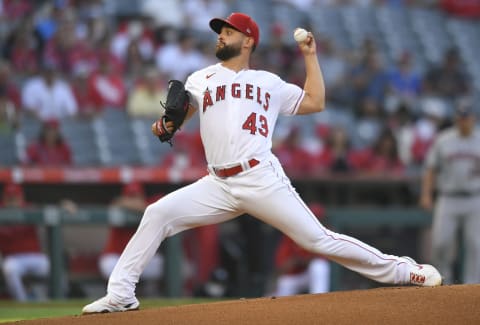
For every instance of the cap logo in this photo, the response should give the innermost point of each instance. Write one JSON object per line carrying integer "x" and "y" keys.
{"x": 248, "y": 30}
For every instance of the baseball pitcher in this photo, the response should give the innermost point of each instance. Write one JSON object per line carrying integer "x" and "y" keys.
{"x": 238, "y": 109}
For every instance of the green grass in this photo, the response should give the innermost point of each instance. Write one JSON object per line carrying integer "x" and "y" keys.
{"x": 14, "y": 311}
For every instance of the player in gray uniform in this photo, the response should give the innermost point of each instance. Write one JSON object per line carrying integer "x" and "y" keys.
{"x": 452, "y": 168}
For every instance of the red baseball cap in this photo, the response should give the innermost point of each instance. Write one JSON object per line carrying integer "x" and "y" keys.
{"x": 241, "y": 22}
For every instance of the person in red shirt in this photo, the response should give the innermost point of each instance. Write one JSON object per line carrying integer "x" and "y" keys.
{"x": 133, "y": 200}
{"x": 50, "y": 148}
{"x": 295, "y": 159}
{"x": 65, "y": 49}
{"x": 106, "y": 85}
{"x": 186, "y": 153}
{"x": 299, "y": 270}
{"x": 382, "y": 158}
{"x": 20, "y": 248}
{"x": 336, "y": 155}
{"x": 78, "y": 82}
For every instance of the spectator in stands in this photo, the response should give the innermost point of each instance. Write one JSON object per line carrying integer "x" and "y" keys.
{"x": 47, "y": 96}
{"x": 404, "y": 82}
{"x": 295, "y": 159}
{"x": 336, "y": 153}
{"x": 334, "y": 69}
{"x": 177, "y": 60}
{"x": 133, "y": 30}
{"x": 21, "y": 250}
{"x": 49, "y": 18}
{"x": 448, "y": 80}
{"x": 383, "y": 157}
{"x": 22, "y": 48}
{"x": 278, "y": 57}
{"x": 368, "y": 122}
{"x": 299, "y": 271}
{"x": 15, "y": 10}
{"x": 369, "y": 80}
{"x": 94, "y": 22}
{"x": 50, "y": 149}
{"x": 134, "y": 61}
{"x": 432, "y": 120}
{"x": 186, "y": 153}
{"x": 134, "y": 44}
{"x": 401, "y": 122}
{"x": 360, "y": 54}
{"x": 133, "y": 200}
{"x": 106, "y": 84}
{"x": 147, "y": 94}
{"x": 65, "y": 49}
{"x": 79, "y": 84}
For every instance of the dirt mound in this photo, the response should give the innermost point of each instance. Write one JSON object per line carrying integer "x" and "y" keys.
{"x": 458, "y": 304}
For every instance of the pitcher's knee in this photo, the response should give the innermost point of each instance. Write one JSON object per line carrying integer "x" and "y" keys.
{"x": 151, "y": 211}
{"x": 157, "y": 213}
{"x": 155, "y": 210}
{"x": 314, "y": 245}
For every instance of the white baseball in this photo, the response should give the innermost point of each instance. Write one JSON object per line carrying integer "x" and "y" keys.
{"x": 300, "y": 35}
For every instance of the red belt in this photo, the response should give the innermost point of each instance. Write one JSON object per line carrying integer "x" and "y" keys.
{"x": 232, "y": 171}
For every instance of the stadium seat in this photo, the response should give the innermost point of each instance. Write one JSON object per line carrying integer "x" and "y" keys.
{"x": 8, "y": 156}
{"x": 430, "y": 26}
{"x": 151, "y": 151}
{"x": 80, "y": 137}
{"x": 115, "y": 138}
{"x": 327, "y": 20}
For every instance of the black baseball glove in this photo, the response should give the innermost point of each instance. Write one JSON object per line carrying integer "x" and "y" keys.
{"x": 176, "y": 108}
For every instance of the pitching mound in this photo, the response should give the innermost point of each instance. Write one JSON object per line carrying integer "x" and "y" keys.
{"x": 458, "y": 304}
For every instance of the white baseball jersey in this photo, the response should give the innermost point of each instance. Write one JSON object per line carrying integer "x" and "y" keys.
{"x": 238, "y": 111}
{"x": 456, "y": 159}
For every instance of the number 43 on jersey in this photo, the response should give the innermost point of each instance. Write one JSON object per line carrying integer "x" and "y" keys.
{"x": 251, "y": 124}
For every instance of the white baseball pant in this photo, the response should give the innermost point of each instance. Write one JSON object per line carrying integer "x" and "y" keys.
{"x": 315, "y": 279}
{"x": 17, "y": 266}
{"x": 264, "y": 192}
{"x": 153, "y": 270}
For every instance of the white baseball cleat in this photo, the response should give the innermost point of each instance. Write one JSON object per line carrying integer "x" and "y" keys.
{"x": 108, "y": 305}
{"x": 424, "y": 275}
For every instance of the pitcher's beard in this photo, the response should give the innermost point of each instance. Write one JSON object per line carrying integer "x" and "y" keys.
{"x": 227, "y": 52}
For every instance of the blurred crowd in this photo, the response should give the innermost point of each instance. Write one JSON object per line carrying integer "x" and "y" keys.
{"x": 74, "y": 59}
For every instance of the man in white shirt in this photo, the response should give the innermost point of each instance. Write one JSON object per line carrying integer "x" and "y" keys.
{"x": 48, "y": 97}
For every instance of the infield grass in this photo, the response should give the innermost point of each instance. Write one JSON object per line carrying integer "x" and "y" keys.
{"x": 13, "y": 311}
